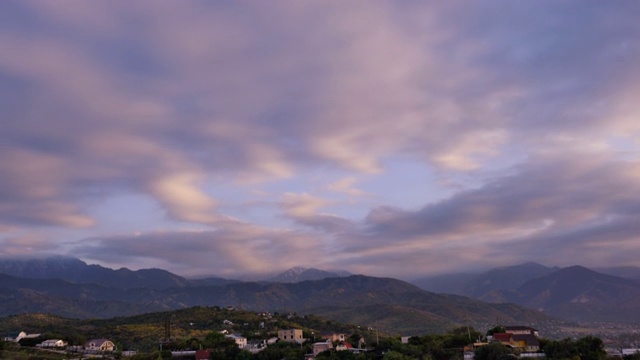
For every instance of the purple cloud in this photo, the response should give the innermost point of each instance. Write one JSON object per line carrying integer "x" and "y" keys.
{"x": 523, "y": 114}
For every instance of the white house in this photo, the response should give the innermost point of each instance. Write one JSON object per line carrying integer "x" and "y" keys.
{"x": 99, "y": 345}
{"x": 17, "y": 336}
{"x": 241, "y": 341}
{"x": 53, "y": 343}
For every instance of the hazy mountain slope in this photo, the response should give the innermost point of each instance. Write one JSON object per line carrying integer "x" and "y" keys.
{"x": 582, "y": 294}
{"x": 364, "y": 300}
{"x": 77, "y": 271}
{"x": 211, "y": 281}
{"x": 628, "y": 272}
{"x": 19, "y": 295}
{"x": 505, "y": 278}
{"x": 576, "y": 293}
{"x": 484, "y": 285}
{"x": 447, "y": 283}
{"x": 298, "y": 274}
{"x": 368, "y": 300}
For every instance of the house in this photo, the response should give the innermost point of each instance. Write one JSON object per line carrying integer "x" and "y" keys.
{"x": 99, "y": 345}
{"x": 321, "y": 346}
{"x": 521, "y": 330}
{"x": 504, "y": 338}
{"x": 291, "y": 335}
{"x": 526, "y": 342}
{"x": 53, "y": 343}
{"x": 14, "y": 336}
{"x": 255, "y": 346}
{"x": 241, "y": 341}
{"x": 19, "y": 335}
{"x": 331, "y": 336}
{"x": 344, "y": 346}
{"x": 522, "y": 342}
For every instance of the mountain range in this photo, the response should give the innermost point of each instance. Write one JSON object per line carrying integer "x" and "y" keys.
{"x": 77, "y": 271}
{"x": 529, "y": 294}
{"x": 575, "y": 293}
{"x": 371, "y": 301}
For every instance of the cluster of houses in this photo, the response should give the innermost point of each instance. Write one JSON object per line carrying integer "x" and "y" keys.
{"x": 522, "y": 338}
{"x": 331, "y": 341}
{"x": 91, "y": 346}
{"x": 253, "y": 346}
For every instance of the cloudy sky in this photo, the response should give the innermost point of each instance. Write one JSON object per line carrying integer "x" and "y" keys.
{"x": 385, "y": 138}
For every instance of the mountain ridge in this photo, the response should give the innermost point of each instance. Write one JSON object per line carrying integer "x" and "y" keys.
{"x": 530, "y": 290}
{"x": 298, "y": 274}
{"x": 387, "y": 302}
{"x": 77, "y": 271}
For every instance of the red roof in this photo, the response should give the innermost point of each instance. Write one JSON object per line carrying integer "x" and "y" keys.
{"x": 502, "y": 336}
{"x": 202, "y": 354}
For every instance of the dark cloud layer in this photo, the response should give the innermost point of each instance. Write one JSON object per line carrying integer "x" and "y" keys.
{"x": 259, "y": 129}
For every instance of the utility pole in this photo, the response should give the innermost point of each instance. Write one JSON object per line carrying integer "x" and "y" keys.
{"x": 167, "y": 329}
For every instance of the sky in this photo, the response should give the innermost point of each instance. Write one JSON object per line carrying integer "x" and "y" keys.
{"x": 400, "y": 139}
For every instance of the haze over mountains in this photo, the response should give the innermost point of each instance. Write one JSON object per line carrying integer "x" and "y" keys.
{"x": 77, "y": 271}
{"x": 298, "y": 274}
{"x": 528, "y": 293}
{"x": 575, "y": 293}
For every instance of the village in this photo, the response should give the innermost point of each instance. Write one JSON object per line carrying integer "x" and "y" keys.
{"x": 464, "y": 344}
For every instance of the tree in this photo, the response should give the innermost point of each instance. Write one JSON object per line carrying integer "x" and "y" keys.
{"x": 496, "y": 329}
{"x": 221, "y": 347}
{"x": 635, "y": 356}
{"x": 281, "y": 350}
{"x": 591, "y": 348}
{"x": 337, "y": 355}
{"x": 354, "y": 339}
{"x": 560, "y": 350}
{"x": 395, "y": 355}
{"x": 466, "y": 332}
{"x": 493, "y": 351}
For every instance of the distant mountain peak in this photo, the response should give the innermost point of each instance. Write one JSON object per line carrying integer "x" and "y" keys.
{"x": 297, "y": 270}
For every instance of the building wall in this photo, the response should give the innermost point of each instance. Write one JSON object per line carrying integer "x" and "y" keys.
{"x": 290, "y": 335}
{"x": 320, "y": 347}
